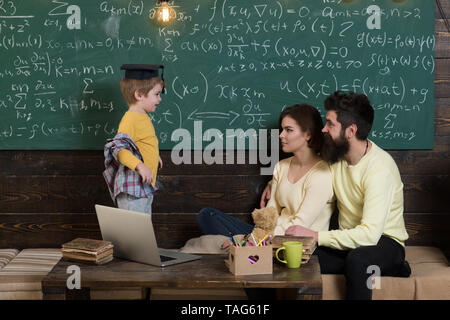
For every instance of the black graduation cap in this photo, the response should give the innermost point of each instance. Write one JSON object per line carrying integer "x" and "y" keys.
{"x": 142, "y": 71}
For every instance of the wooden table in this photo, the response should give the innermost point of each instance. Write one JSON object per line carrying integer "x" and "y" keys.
{"x": 208, "y": 272}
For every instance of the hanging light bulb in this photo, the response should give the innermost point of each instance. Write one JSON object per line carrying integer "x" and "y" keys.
{"x": 165, "y": 13}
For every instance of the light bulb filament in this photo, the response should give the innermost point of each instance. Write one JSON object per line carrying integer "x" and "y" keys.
{"x": 165, "y": 12}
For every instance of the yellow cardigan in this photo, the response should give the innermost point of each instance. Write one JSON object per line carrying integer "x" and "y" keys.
{"x": 309, "y": 202}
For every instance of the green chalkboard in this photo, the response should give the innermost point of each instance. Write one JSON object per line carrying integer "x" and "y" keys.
{"x": 229, "y": 64}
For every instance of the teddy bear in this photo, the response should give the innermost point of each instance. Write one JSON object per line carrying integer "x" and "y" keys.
{"x": 265, "y": 220}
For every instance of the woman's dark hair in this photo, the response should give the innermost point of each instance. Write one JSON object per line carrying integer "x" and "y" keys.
{"x": 309, "y": 120}
{"x": 352, "y": 108}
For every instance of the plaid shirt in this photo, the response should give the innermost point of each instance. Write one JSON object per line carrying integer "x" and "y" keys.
{"x": 120, "y": 178}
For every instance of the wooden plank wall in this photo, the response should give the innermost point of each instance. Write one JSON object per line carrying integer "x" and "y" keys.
{"x": 48, "y": 197}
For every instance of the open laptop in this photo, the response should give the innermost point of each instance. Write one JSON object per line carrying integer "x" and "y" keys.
{"x": 134, "y": 239}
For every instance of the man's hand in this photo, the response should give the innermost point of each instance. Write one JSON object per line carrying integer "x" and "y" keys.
{"x": 145, "y": 173}
{"x": 160, "y": 163}
{"x": 300, "y": 231}
{"x": 265, "y": 196}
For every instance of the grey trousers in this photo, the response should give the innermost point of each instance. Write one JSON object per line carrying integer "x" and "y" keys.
{"x": 128, "y": 202}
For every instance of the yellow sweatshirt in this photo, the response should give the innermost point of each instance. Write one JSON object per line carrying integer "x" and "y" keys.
{"x": 370, "y": 202}
{"x": 308, "y": 202}
{"x": 140, "y": 128}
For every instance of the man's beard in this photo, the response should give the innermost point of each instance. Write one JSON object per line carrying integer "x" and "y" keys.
{"x": 333, "y": 150}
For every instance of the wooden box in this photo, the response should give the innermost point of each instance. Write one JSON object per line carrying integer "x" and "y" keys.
{"x": 250, "y": 260}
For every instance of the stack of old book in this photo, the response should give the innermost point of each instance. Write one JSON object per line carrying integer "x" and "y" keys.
{"x": 88, "y": 250}
{"x": 309, "y": 245}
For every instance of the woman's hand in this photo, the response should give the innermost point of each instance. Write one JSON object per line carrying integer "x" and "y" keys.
{"x": 227, "y": 244}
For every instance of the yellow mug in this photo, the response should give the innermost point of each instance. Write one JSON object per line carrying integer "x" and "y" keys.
{"x": 293, "y": 251}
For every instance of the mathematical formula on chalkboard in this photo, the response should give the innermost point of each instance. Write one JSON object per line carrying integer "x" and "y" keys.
{"x": 229, "y": 64}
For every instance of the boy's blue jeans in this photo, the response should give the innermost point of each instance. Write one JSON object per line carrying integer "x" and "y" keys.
{"x": 128, "y": 202}
{"x": 214, "y": 221}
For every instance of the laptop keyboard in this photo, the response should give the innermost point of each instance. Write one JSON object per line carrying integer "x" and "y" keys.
{"x": 165, "y": 258}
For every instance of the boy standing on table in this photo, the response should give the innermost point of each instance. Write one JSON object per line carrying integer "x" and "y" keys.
{"x": 132, "y": 156}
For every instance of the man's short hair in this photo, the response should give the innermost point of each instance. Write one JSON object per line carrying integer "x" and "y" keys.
{"x": 352, "y": 108}
{"x": 130, "y": 86}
